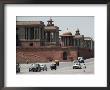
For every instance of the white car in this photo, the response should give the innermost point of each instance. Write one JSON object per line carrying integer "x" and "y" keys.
{"x": 77, "y": 65}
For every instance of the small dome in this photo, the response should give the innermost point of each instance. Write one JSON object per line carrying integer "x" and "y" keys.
{"x": 67, "y": 33}
{"x": 77, "y": 32}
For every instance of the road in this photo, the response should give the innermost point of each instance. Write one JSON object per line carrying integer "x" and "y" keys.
{"x": 63, "y": 68}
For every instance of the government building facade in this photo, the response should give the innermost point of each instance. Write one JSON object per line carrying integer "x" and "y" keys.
{"x": 37, "y": 42}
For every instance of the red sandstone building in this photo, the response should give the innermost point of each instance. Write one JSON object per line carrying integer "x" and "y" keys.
{"x": 37, "y": 42}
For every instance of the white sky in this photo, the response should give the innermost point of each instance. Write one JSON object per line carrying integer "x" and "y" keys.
{"x": 84, "y": 23}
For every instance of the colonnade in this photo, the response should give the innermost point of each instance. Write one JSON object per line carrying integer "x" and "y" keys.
{"x": 51, "y": 36}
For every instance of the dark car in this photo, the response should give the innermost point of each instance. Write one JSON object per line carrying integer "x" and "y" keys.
{"x": 35, "y": 68}
{"x": 17, "y": 68}
{"x": 53, "y": 66}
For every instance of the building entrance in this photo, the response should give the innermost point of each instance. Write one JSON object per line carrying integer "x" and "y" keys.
{"x": 64, "y": 55}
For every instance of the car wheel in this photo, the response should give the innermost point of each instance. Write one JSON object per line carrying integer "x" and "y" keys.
{"x": 36, "y": 70}
{"x": 39, "y": 70}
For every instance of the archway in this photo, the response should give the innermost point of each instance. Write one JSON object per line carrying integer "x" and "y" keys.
{"x": 64, "y": 55}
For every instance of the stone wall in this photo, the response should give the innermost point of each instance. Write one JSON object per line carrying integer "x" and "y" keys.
{"x": 46, "y": 54}
{"x": 86, "y": 53}
{"x": 43, "y": 54}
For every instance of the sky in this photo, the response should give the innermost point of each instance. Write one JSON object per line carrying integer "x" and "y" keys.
{"x": 85, "y": 24}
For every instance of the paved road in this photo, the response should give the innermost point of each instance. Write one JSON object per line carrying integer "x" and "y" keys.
{"x": 63, "y": 68}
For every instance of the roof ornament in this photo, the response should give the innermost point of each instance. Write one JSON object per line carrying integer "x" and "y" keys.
{"x": 50, "y": 17}
{"x": 77, "y": 29}
{"x": 50, "y": 22}
{"x": 77, "y": 32}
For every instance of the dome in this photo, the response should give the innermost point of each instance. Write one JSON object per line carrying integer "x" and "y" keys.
{"x": 67, "y": 33}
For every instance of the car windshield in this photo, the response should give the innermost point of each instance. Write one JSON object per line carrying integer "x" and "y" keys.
{"x": 80, "y": 58}
{"x": 33, "y": 65}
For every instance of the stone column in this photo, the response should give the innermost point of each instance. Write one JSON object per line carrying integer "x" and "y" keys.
{"x": 54, "y": 36}
{"x": 46, "y": 36}
{"x": 64, "y": 41}
{"x": 91, "y": 44}
{"x": 50, "y": 36}
{"x": 39, "y": 33}
{"x": 42, "y": 33}
{"x": 34, "y": 33}
{"x": 68, "y": 40}
{"x": 25, "y": 33}
{"x": 74, "y": 42}
{"x": 79, "y": 42}
{"x": 29, "y": 33}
